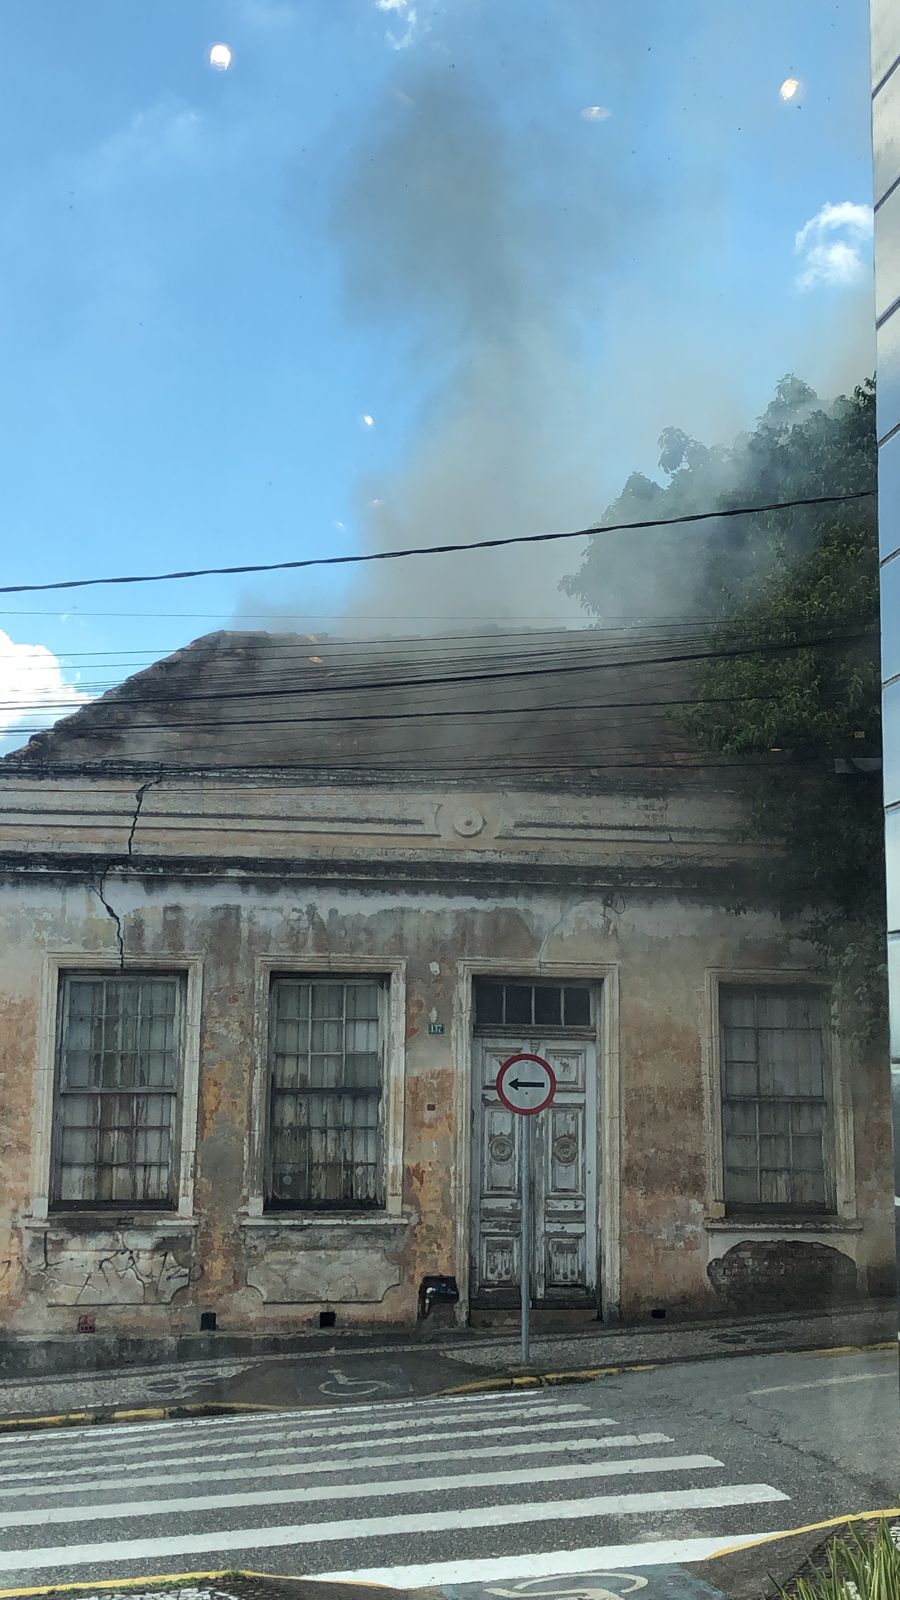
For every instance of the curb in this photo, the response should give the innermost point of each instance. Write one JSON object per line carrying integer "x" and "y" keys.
{"x": 589, "y": 1374}
{"x": 542, "y": 1380}
{"x": 809, "y": 1527}
{"x": 105, "y": 1415}
{"x": 231, "y": 1408}
{"x": 165, "y": 1580}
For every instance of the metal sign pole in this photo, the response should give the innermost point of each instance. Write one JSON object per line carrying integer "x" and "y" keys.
{"x": 526, "y": 1085}
{"x": 525, "y": 1246}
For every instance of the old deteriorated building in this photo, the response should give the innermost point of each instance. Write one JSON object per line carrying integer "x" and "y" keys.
{"x": 272, "y": 915}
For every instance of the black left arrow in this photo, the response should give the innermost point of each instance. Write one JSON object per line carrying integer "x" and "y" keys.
{"x": 525, "y": 1083}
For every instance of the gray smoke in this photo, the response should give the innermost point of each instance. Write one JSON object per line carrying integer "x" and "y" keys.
{"x": 467, "y": 228}
{"x": 476, "y": 242}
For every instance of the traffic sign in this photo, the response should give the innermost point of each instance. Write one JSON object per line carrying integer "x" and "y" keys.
{"x": 526, "y": 1084}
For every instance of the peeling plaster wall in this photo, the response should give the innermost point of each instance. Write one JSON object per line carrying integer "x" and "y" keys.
{"x": 269, "y": 1273}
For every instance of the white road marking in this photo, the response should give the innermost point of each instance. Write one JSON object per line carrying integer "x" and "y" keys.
{"x": 84, "y": 1436}
{"x": 612, "y": 1441}
{"x": 827, "y": 1383}
{"x": 545, "y": 1564}
{"x": 94, "y": 1440}
{"x": 254, "y": 1456}
{"x": 129, "y": 1510}
{"x": 498, "y": 1516}
{"x": 438, "y": 1403}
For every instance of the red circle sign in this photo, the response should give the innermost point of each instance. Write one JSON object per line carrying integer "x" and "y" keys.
{"x": 526, "y": 1084}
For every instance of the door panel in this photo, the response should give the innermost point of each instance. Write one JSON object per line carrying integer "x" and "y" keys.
{"x": 499, "y": 1261}
{"x": 563, "y": 1170}
{"x": 565, "y": 1267}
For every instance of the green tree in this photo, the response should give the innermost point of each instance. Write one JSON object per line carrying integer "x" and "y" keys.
{"x": 793, "y": 597}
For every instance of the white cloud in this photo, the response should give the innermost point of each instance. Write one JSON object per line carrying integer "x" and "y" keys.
{"x": 832, "y": 245}
{"x": 33, "y": 692}
{"x": 405, "y": 12}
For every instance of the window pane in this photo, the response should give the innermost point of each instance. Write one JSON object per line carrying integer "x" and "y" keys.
{"x": 809, "y": 1190}
{"x": 326, "y": 1036}
{"x": 741, "y": 1118}
{"x": 362, "y": 1071}
{"x": 327, "y": 1000}
{"x": 361, "y": 1036}
{"x": 488, "y": 1003}
{"x": 518, "y": 1002}
{"x": 741, "y": 1187}
{"x": 774, "y": 1188}
{"x": 740, "y": 1043}
{"x": 548, "y": 1005}
{"x": 362, "y": 1001}
{"x": 737, "y": 1008}
{"x": 741, "y": 1078}
{"x": 577, "y": 1007}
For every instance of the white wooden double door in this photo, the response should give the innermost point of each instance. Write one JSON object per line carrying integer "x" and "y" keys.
{"x": 564, "y": 1220}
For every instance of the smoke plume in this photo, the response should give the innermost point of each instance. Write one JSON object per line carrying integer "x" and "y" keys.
{"x": 479, "y": 249}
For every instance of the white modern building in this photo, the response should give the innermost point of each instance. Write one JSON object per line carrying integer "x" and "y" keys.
{"x": 886, "y": 143}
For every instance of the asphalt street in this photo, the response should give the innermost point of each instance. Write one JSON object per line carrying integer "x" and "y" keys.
{"x": 393, "y": 1367}
{"x": 639, "y": 1474}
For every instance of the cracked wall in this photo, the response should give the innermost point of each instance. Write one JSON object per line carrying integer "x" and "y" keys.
{"x": 146, "y": 1275}
{"x": 130, "y": 1268}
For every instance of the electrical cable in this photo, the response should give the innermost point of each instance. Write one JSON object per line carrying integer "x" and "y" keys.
{"x": 437, "y": 549}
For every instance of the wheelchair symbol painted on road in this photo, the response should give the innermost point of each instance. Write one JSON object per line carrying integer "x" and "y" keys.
{"x": 592, "y": 1586}
{"x": 339, "y": 1386}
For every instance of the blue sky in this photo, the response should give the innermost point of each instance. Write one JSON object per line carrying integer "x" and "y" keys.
{"x": 394, "y": 208}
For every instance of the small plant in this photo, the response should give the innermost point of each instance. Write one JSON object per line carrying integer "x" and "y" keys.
{"x": 856, "y": 1570}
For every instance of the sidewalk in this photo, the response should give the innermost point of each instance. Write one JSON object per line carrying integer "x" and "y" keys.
{"x": 318, "y": 1370}
{"x": 237, "y": 1586}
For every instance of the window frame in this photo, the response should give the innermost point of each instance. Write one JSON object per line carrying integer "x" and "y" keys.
{"x": 127, "y": 1203}
{"x": 58, "y": 966}
{"x": 331, "y": 980}
{"x": 548, "y": 1030}
{"x": 391, "y": 971}
{"x": 842, "y": 1207}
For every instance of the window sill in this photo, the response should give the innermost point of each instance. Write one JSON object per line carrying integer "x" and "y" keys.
{"x": 329, "y": 1219}
{"x": 785, "y": 1224}
{"x": 107, "y": 1222}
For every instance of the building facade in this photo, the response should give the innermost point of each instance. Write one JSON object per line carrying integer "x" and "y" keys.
{"x": 886, "y": 144}
{"x": 252, "y": 1021}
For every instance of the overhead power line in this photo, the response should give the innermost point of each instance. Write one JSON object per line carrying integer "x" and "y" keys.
{"x": 571, "y": 662}
{"x": 659, "y": 708}
{"x": 436, "y": 549}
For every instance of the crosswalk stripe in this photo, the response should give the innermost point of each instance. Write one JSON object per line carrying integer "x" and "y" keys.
{"x": 254, "y": 1456}
{"x": 603, "y": 1558}
{"x": 128, "y": 1511}
{"x": 612, "y": 1441}
{"x": 120, "y": 1550}
{"x": 109, "y": 1441}
{"x": 260, "y": 1456}
{"x": 449, "y": 1403}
